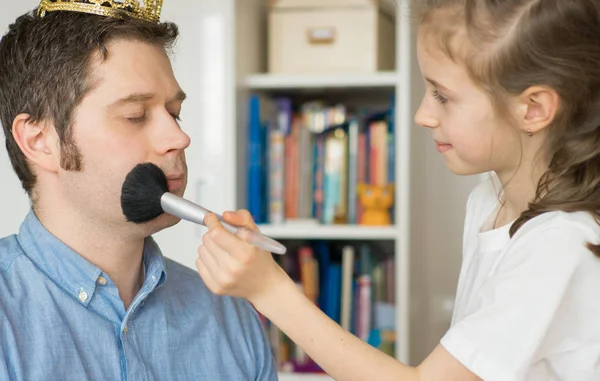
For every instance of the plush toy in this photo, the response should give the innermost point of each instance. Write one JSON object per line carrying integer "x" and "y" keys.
{"x": 376, "y": 202}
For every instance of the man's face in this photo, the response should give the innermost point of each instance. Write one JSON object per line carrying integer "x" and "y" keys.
{"x": 130, "y": 117}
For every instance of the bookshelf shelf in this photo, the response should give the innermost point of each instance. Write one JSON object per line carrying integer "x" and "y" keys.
{"x": 329, "y": 232}
{"x": 303, "y": 377}
{"x": 321, "y": 81}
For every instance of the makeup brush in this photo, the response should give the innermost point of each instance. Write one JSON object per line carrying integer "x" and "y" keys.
{"x": 145, "y": 195}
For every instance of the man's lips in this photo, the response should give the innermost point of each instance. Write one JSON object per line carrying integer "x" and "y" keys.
{"x": 175, "y": 182}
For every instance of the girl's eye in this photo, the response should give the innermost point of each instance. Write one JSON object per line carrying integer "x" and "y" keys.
{"x": 176, "y": 117}
{"x": 439, "y": 97}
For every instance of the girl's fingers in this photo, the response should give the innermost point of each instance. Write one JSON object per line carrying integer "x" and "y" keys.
{"x": 244, "y": 219}
{"x": 237, "y": 268}
{"x": 212, "y": 222}
{"x": 212, "y": 239}
{"x": 203, "y": 262}
{"x": 229, "y": 244}
{"x": 227, "y": 276}
{"x": 240, "y": 218}
{"x": 222, "y": 251}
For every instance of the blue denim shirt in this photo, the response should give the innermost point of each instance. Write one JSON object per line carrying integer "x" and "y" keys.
{"x": 61, "y": 318}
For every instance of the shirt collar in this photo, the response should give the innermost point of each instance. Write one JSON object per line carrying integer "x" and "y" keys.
{"x": 156, "y": 274}
{"x": 71, "y": 271}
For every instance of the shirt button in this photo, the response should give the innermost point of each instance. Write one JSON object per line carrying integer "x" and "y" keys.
{"x": 102, "y": 280}
{"x": 126, "y": 329}
{"x": 83, "y": 296}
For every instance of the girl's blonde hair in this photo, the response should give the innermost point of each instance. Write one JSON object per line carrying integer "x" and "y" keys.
{"x": 511, "y": 45}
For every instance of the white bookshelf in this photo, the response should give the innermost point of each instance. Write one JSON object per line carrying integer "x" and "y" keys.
{"x": 329, "y": 232}
{"x": 250, "y": 77}
{"x": 323, "y": 81}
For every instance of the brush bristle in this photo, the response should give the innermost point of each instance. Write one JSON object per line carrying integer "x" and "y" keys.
{"x": 141, "y": 193}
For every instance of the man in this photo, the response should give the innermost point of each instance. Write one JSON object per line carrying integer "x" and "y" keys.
{"x": 86, "y": 93}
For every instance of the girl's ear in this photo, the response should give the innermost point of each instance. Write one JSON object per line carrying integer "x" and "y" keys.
{"x": 537, "y": 107}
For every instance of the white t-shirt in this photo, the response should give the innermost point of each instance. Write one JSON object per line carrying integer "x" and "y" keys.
{"x": 527, "y": 308}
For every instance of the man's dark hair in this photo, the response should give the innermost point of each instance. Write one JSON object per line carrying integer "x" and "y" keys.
{"x": 45, "y": 67}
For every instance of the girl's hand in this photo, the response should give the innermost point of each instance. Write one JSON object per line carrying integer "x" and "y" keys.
{"x": 230, "y": 266}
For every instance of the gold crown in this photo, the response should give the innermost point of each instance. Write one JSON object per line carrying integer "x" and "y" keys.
{"x": 149, "y": 10}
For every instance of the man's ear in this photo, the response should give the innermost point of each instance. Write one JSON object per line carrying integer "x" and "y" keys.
{"x": 38, "y": 141}
{"x": 537, "y": 107}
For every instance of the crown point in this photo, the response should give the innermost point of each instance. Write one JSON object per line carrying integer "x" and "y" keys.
{"x": 149, "y": 11}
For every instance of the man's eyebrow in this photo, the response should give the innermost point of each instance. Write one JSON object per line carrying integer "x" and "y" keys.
{"x": 132, "y": 98}
{"x": 143, "y": 97}
{"x": 438, "y": 85}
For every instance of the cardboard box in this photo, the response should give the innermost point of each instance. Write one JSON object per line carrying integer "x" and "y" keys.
{"x": 331, "y": 36}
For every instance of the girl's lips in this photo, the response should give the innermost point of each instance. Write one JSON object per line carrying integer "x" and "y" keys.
{"x": 442, "y": 147}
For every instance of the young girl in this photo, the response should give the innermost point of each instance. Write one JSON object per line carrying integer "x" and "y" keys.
{"x": 513, "y": 87}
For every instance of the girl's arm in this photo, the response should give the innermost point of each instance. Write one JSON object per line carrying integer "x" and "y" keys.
{"x": 230, "y": 266}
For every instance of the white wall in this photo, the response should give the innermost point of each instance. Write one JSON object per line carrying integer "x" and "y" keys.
{"x": 203, "y": 62}
{"x": 14, "y": 203}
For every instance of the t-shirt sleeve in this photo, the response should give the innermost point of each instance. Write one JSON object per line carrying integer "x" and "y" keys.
{"x": 510, "y": 315}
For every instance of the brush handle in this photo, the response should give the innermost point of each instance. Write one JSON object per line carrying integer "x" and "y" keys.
{"x": 192, "y": 212}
